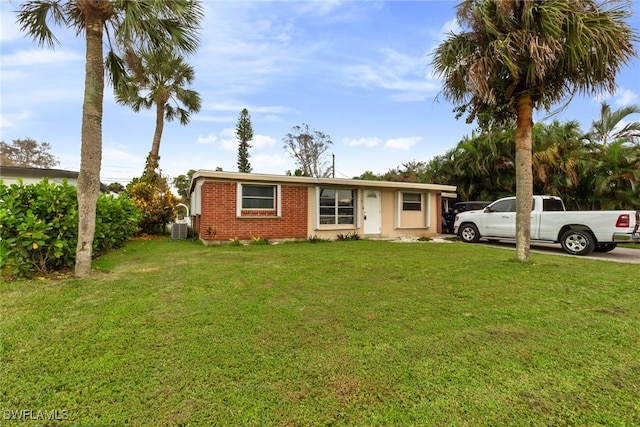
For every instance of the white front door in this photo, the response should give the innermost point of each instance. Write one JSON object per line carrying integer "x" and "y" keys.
{"x": 372, "y": 212}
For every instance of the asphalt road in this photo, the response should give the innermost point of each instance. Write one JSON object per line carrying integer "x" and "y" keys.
{"x": 624, "y": 255}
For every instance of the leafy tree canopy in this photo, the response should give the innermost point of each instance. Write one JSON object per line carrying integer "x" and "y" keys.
{"x": 307, "y": 147}
{"x": 27, "y": 153}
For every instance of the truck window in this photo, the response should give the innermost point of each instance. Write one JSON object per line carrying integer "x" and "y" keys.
{"x": 549, "y": 205}
{"x": 504, "y": 206}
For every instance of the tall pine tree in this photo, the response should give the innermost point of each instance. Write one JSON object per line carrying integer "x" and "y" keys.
{"x": 244, "y": 132}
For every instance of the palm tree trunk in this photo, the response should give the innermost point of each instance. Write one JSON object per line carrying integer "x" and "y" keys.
{"x": 524, "y": 177}
{"x": 154, "y": 154}
{"x": 91, "y": 151}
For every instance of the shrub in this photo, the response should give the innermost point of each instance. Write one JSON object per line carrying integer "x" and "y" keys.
{"x": 316, "y": 239}
{"x": 39, "y": 227}
{"x": 348, "y": 236}
{"x": 258, "y": 241}
{"x": 117, "y": 219}
{"x": 156, "y": 202}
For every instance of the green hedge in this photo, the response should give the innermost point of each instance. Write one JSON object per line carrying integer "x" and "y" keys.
{"x": 39, "y": 227}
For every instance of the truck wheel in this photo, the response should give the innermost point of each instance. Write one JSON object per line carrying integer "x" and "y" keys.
{"x": 469, "y": 233}
{"x": 605, "y": 247}
{"x": 578, "y": 242}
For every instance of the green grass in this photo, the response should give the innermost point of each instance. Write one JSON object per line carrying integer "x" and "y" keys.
{"x": 346, "y": 333}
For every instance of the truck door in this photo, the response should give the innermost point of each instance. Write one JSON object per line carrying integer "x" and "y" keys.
{"x": 500, "y": 220}
{"x": 536, "y": 218}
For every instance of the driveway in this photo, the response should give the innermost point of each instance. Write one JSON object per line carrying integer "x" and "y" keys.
{"x": 624, "y": 255}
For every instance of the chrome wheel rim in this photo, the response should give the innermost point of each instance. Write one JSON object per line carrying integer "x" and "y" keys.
{"x": 468, "y": 233}
{"x": 576, "y": 242}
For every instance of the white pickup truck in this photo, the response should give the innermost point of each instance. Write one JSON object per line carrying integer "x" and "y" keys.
{"x": 579, "y": 232}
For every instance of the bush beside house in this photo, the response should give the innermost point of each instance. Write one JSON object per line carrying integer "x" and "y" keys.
{"x": 39, "y": 227}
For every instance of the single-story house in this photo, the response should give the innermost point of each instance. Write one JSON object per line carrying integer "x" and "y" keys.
{"x": 13, "y": 174}
{"x": 228, "y": 205}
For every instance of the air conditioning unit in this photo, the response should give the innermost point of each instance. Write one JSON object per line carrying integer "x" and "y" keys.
{"x": 179, "y": 231}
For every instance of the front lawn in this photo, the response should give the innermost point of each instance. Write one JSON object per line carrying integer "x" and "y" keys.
{"x": 342, "y": 333}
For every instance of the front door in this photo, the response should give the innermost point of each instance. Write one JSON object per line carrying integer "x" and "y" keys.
{"x": 372, "y": 212}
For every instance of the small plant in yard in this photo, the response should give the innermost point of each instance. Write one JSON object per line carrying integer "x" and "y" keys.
{"x": 424, "y": 239}
{"x": 348, "y": 236}
{"x": 234, "y": 241}
{"x": 316, "y": 239}
{"x": 211, "y": 232}
{"x": 259, "y": 241}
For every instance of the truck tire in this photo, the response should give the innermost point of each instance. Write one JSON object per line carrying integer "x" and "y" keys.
{"x": 469, "y": 233}
{"x": 578, "y": 242}
{"x": 605, "y": 247}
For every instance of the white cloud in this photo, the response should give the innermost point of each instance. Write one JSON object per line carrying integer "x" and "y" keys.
{"x": 32, "y": 57}
{"x": 367, "y": 142}
{"x": 450, "y": 26}
{"x": 624, "y": 97}
{"x": 402, "y": 143}
{"x": 269, "y": 163}
{"x": 9, "y": 30}
{"x": 319, "y": 7}
{"x": 228, "y": 139}
{"x": 112, "y": 154}
{"x": 211, "y": 138}
{"x": 396, "y": 71}
{"x": 255, "y": 44}
{"x": 268, "y": 159}
{"x": 237, "y": 107}
{"x": 262, "y": 141}
{"x": 8, "y": 121}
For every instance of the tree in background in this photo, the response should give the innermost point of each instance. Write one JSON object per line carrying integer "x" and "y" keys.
{"x": 307, "y": 147}
{"x": 159, "y": 77}
{"x": 134, "y": 23}
{"x": 115, "y": 187}
{"x": 244, "y": 133}
{"x": 611, "y": 126}
{"x": 181, "y": 183}
{"x": 613, "y": 182}
{"x": 154, "y": 199}
{"x": 27, "y": 153}
{"x": 517, "y": 56}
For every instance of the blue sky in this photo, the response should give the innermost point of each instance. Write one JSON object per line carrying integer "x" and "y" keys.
{"x": 356, "y": 70}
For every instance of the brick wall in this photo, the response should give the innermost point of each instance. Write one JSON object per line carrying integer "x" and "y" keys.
{"x": 219, "y": 221}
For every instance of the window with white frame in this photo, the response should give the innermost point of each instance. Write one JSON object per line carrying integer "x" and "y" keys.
{"x": 259, "y": 196}
{"x": 411, "y": 201}
{"x": 337, "y": 206}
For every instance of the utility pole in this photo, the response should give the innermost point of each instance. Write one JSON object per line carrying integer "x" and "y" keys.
{"x": 333, "y": 167}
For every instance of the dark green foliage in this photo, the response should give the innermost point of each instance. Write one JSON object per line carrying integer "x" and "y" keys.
{"x": 181, "y": 183}
{"x": 155, "y": 201}
{"x": 348, "y": 236}
{"x": 244, "y": 132}
{"x": 316, "y": 239}
{"x": 39, "y": 227}
{"x": 587, "y": 173}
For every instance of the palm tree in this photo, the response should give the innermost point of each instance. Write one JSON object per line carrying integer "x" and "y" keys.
{"x": 159, "y": 78}
{"x": 616, "y": 177}
{"x": 560, "y": 160}
{"x": 519, "y": 55}
{"x": 610, "y": 127}
{"x": 129, "y": 23}
{"x": 614, "y": 147}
